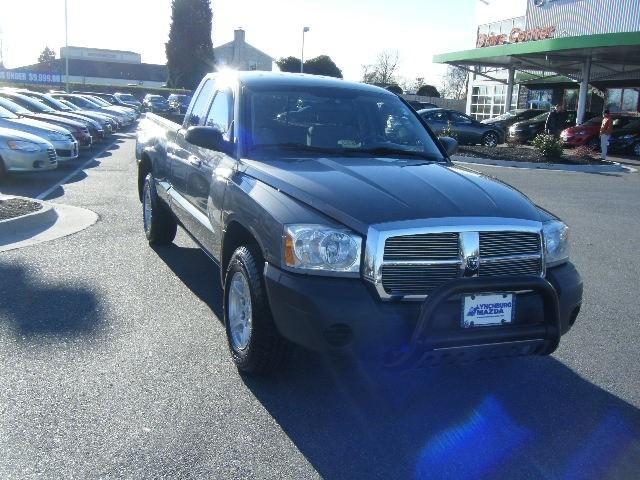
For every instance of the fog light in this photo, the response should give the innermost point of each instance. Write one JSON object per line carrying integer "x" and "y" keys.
{"x": 37, "y": 164}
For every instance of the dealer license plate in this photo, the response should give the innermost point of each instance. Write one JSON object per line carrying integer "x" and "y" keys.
{"x": 487, "y": 309}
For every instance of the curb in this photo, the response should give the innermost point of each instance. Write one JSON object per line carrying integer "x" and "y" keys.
{"x": 614, "y": 168}
{"x": 46, "y": 216}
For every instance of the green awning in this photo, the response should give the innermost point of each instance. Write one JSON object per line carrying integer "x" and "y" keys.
{"x": 611, "y": 52}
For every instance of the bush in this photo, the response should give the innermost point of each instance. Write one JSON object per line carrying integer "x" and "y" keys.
{"x": 448, "y": 131}
{"x": 583, "y": 151}
{"x": 548, "y": 145}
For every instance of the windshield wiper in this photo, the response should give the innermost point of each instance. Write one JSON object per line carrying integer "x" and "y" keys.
{"x": 392, "y": 151}
{"x": 292, "y": 146}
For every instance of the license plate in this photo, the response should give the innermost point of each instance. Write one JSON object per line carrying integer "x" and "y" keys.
{"x": 487, "y": 309}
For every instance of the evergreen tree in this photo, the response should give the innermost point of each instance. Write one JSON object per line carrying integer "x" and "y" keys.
{"x": 189, "y": 49}
{"x": 47, "y": 55}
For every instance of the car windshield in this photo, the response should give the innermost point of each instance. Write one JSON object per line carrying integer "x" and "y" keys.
{"x": 85, "y": 102}
{"x": 333, "y": 120}
{"x": 13, "y": 107}
{"x": 156, "y": 98}
{"x": 507, "y": 115}
{"x": 593, "y": 121}
{"x": 68, "y": 104}
{"x": 633, "y": 125}
{"x": 541, "y": 117}
{"x": 53, "y": 103}
{"x": 98, "y": 100}
{"x": 31, "y": 104}
{"x": 126, "y": 97}
{"x": 4, "y": 113}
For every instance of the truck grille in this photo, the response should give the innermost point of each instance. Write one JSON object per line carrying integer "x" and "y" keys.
{"x": 415, "y": 265}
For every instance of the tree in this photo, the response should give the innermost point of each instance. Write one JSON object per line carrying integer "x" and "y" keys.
{"x": 321, "y": 65}
{"x": 47, "y": 55}
{"x": 454, "y": 83}
{"x": 189, "y": 49}
{"x": 384, "y": 70}
{"x": 289, "y": 64}
{"x": 428, "y": 91}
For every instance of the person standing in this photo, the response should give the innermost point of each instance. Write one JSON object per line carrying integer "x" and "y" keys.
{"x": 606, "y": 128}
{"x": 555, "y": 121}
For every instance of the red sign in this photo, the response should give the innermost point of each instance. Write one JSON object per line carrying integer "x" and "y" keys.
{"x": 517, "y": 35}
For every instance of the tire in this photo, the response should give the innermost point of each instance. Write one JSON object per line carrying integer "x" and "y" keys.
{"x": 490, "y": 139}
{"x": 636, "y": 149}
{"x": 3, "y": 170}
{"x": 159, "y": 225}
{"x": 256, "y": 346}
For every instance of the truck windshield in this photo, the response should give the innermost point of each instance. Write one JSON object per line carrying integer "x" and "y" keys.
{"x": 336, "y": 121}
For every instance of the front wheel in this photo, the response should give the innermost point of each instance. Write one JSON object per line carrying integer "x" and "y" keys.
{"x": 160, "y": 226}
{"x": 255, "y": 344}
{"x": 490, "y": 139}
{"x": 636, "y": 149}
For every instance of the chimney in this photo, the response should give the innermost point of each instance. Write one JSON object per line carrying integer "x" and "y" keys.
{"x": 238, "y": 35}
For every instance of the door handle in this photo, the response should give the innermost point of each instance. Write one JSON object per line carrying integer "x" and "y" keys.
{"x": 195, "y": 161}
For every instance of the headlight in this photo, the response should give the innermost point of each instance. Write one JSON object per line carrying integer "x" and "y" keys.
{"x": 556, "y": 242}
{"x": 320, "y": 248}
{"x": 23, "y": 146}
{"x": 56, "y": 137}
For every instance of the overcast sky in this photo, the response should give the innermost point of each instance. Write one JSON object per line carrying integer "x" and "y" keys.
{"x": 349, "y": 31}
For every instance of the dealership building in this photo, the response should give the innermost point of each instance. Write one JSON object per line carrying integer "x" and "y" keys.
{"x": 583, "y": 54}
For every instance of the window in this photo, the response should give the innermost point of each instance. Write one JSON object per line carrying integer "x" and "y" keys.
{"x": 200, "y": 106}
{"x": 489, "y": 101}
{"x": 219, "y": 115}
{"x": 459, "y": 118}
{"x": 439, "y": 116}
{"x": 253, "y": 65}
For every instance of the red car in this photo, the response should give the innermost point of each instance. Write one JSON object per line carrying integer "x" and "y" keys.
{"x": 589, "y": 132}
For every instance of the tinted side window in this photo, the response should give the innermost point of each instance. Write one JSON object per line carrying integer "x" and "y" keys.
{"x": 459, "y": 118}
{"x": 220, "y": 113}
{"x": 438, "y": 116}
{"x": 200, "y": 106}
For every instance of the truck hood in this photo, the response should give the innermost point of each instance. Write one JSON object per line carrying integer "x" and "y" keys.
{"x": 359, "y": 192}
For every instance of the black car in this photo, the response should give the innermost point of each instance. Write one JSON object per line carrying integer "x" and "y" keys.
{"x": 179, "y": 103}
{"x": 155, "y": 104}
{"x": 416, "y": 105}
{"x": 467, "y": 130}
{"x": 507, "y": 119}
{"x": 522, "y": 132}
{"x": 626, "y": 139}
{"x": 350, "y": 231}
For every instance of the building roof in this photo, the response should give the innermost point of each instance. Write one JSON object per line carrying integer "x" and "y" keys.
{"x": 608, "y": 52}
{"x": 106, "y": 50}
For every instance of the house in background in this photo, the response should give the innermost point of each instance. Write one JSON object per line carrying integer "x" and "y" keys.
{"x": 239, "y": 55}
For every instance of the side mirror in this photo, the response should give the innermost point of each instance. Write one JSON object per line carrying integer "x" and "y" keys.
{"x": 205, "y": 137}
{"x": 450, "y": 145}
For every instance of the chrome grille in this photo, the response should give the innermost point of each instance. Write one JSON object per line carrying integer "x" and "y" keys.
{"x": 415, "y": 265}
{"x": 495, "y": 244}
{"x": 53, "y": 157}
{"x": 416, "y": 279}
{"x": 429, "y": 246}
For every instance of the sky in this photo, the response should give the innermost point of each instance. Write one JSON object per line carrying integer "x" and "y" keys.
{"x": 351, "y": 32}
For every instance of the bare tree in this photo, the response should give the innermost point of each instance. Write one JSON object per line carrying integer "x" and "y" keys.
{"x": 384, "y": 70}
{"x": 454, "y": 83}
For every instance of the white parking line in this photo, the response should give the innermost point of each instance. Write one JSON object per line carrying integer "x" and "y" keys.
{"x": 48, "y": 191}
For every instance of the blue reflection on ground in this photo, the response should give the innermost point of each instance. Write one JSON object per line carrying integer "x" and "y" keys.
{"x": 474, "y": 448}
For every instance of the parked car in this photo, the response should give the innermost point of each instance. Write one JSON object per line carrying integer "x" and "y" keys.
{"x": 87, "y": 104}
{"x": 130, "y": 112}
{"x": 467, "y": 130}
{"x": 99, "y": 128}
{"x": 129, "y": 99}
{"x": 24, "y": 152}
{"x": 38, "y": 111}
{"x": 345, "y": 235}
{"x": 179, "y": 103}
{"x": 588, "y": 133}
{"x": 627, "y": 138}
{"x": 111, "y": 99}
{"x": 507, "y": 119}
{"x": 111, "y": 119}
{"x": 66, "y": 146}
{"x": 522, "y": 132}
{"x": 421, "y": 105}
{"x": 155, "y": 104}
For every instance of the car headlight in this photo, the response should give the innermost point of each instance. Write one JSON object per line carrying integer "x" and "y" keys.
{"x": 23, "y": 146}
{"x": 320, "y": 248}
{"x": 556, "y": 242}
{"x": 56, "y": 137}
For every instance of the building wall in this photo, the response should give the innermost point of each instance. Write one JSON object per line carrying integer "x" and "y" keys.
{"x": 584, "y": 17}
{"x": 240, "y": 55}
{"x": 99, "y": 54}
{"x": 110, "y": 81}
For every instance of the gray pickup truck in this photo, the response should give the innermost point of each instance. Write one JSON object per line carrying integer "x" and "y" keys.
{"x": 340, "y": 224}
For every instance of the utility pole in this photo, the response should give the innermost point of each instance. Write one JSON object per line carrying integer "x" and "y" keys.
{"x": 304, "y": 30}
{"x": 66, "y": 44}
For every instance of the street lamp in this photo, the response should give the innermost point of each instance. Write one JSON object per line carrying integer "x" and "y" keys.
{"x": 304, "y": 30}
{"x": 66, "y": 44}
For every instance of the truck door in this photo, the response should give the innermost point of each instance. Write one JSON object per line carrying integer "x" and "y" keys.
{"x": 204, "y": 188}
{"x": 182, "y": 158}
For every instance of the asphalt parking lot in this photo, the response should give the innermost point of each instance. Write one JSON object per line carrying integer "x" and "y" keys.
{"x": 113, "y": 362}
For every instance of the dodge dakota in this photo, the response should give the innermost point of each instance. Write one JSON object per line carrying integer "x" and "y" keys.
{"x": 339, "y": 223}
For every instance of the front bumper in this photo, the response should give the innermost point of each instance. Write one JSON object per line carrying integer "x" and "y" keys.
{"x": 66, "y": 150}
{"x": 522, "y": 136}
{"x": 575, "y": 141}
{"x": 20, "y": 161}
{"x": 328, "y": 313}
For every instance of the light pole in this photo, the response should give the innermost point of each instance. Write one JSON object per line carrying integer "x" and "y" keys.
{"x": 304, "y": 30}
{"x": 66, "y": 45}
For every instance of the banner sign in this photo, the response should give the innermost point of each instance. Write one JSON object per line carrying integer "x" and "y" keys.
{"x": 517, "y": 35}
{"x": 26, "y": 76}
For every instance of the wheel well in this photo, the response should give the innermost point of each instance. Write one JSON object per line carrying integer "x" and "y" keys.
{"x": 234, "y": 236}
{"x": 144, "y": 167}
